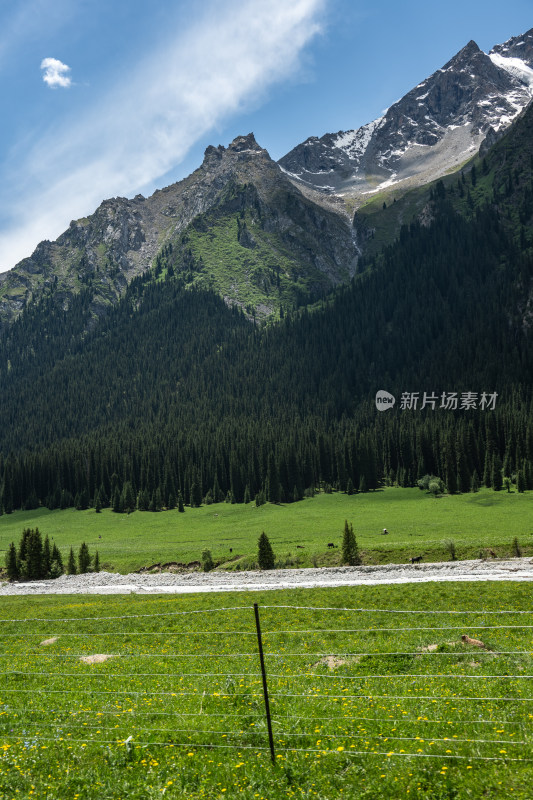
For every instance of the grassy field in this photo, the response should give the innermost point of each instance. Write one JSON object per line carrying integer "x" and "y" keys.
{"x": 418, "y": 524}
{"x": 368, "y": 698}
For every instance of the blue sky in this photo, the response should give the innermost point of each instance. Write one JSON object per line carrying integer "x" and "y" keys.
{"x": 103, "y": 99}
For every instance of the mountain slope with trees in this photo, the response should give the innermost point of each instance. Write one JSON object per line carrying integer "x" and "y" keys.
{"x": 177, "y": 397}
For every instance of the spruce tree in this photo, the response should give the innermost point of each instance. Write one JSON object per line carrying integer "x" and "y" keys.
{"x": 265, "y": 553}
{"x": 84, "y": 559}
{"x": 12, "y": 567}
{"x": 143, "y": 500}
{"x": 35, "y": 556}
{"x": 496, "y": 473}
{"x": 350, "y": 550}
{"x": 56, "y": 555}
{"x": 71, "y": 565}
{"x": 274, "y": 488}
{"x": 181, "y": 506}
{"x": 47, "y": 557}
{"x": 116, "y": 501}
{"x": 96, "y": 566}
{"x": 207, "y": 560}
{"x": 128, "y": 497}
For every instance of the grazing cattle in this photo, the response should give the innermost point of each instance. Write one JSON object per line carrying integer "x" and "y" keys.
{"x": 330, "y": 544}
{"x": 492, "y": 553}
{"x": 385, "y": 531}
{"x": 231, "y": 549}
{"x": 415, "y": 559}
{"x": 300, "y": 547}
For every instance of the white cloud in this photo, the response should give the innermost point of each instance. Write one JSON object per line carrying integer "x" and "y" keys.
{"x": 55, "y": 73}
{"x": 145, "y": 125}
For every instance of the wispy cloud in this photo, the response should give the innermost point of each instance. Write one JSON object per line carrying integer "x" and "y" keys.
{"x": 146, "y": 124}
{"x": 56, "y": 73}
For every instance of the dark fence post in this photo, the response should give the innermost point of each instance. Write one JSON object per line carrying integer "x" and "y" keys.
{"x": 265, "y": 687}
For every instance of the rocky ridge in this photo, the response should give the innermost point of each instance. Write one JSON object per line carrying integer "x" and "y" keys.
{"x": 121, "y": 239}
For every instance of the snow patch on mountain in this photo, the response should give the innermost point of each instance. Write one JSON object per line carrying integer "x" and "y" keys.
{"x": 354, "y": 143}
{"x": 516, "y": 67}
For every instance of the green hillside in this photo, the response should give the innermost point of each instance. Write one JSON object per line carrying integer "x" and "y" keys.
{"x": 417, "y": 524}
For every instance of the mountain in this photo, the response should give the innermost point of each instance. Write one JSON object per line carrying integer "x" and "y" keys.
{"x": 265, "y": 244}
{"x": 270, "y": 237}
{"x": 432, "y": 130}
{"x": 175, "y": 392}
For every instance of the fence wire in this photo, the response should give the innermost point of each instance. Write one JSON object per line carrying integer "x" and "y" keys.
{"x": 129, "y": 707}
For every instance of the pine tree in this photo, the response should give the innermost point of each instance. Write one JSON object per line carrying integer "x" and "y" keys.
{"x": 116, "y": 501}
{"x": 97, "y": 502}
{"x": 274, "y": 489}
{"x": 181, "y": 506}
{"x": 520, "y": 482}
{"x": 143, "y": 500}
{"x": 496, "y": 473}
{"x": 487, "y": 470}
{"x": 207, "y": 560}
{"x": 71, "y": 565}
{"x": 96, "y": 566}
{"x": 128, "y": 498}
{"x": 56, "y": 568}
{"x": 84, "y": 559}
{"x": 12, "y": 567}
{"x": 47, "y": 557}
{"x": 35, "y": 556}
{"x": 265, "y": 553}
{"x": 350, "y": 550}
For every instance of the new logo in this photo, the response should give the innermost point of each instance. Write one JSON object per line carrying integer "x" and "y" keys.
{"x": 384, "y": 400}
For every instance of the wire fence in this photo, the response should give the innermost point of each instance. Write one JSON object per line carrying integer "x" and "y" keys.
{"x": 274, "y": 678}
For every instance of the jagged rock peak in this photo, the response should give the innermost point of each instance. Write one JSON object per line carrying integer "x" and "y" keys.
{"x": 241, "y": 143}
{"x": 469, "y": 54}
{"x": 516, "y": 47}
{"x": 214, "y": 153}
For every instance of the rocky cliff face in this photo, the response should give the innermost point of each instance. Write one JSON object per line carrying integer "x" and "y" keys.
{"x": 121, "y": 239}
{"x": 436, "y": 127}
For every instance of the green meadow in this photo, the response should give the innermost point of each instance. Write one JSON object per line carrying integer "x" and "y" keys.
{"x": 418, "y": 524}
{"x": 373, "y": 694}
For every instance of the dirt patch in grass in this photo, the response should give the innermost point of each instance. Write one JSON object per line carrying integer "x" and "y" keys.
{"x": 334, "y": 662}
{"x": 430, "y": 648}
{"x": 97, "y": 658}
{"x": 52, "y": 640}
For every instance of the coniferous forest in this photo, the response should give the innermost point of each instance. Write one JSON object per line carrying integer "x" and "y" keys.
{"x": 174, "y": 398}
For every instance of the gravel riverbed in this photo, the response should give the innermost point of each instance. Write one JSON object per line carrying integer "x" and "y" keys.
{"x": 516, "y": 569}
